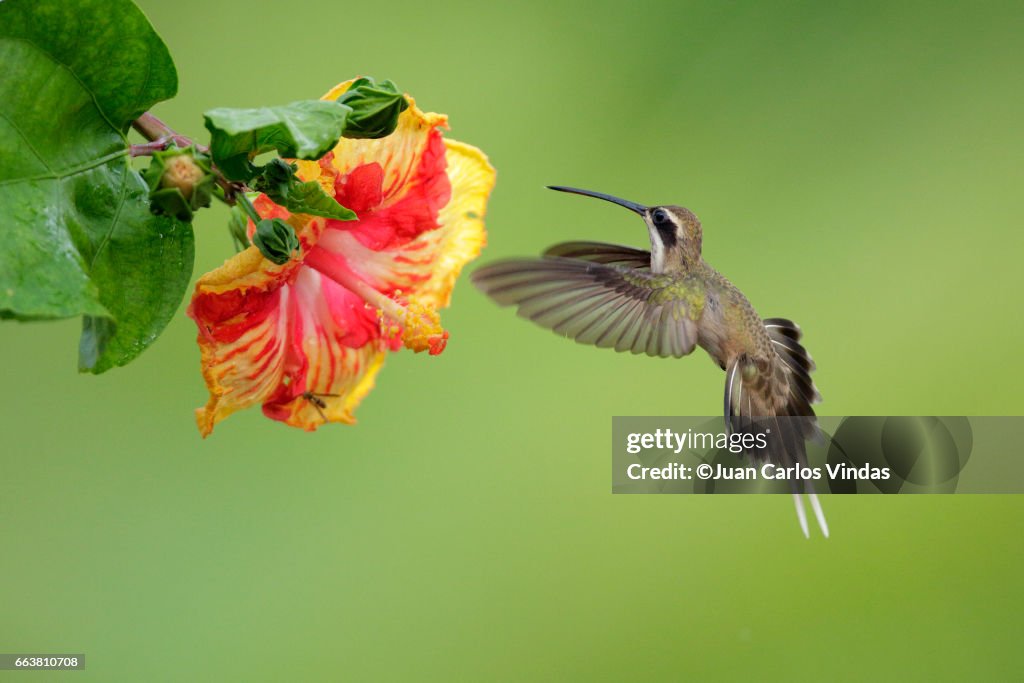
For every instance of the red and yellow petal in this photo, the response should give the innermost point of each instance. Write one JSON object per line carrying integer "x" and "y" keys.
{"x": 461, "y": 235}
{"x": 393, "y": 167}
{"x": 269, "y": 334}
{"x": 338, "y": 352}
{"x": 421, "y": 200}
{"x": 240, "y": 311}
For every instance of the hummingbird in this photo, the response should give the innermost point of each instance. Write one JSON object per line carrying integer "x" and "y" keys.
{"x": 665, "y": 302}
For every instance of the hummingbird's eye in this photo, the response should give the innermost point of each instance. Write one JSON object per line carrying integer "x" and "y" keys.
{"x": 660, "y": 216}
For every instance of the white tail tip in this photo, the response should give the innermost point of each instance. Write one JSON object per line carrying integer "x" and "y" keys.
{"x": 816, "y": 506}
{"x": 801, "y": 514}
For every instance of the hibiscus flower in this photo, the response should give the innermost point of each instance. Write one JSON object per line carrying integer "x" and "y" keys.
{"x": 307, "y": 338}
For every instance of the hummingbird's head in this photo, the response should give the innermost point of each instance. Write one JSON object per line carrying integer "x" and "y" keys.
{"x": 675, "y": 231}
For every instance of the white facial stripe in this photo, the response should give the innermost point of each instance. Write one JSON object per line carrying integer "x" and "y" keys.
{"x": 657, "y": 250}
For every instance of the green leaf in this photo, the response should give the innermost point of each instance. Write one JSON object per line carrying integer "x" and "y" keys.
{"x": 311, "y": 199}
{"x": 276, "y": 179}
{"x": 151, "y": 267}
{"x": 375, "y": 108}
{"x": 276, "y": 240}
{"x": 279, "y": 182}
{"x": 78, "y": 235}
{"x": 301, "y": 130}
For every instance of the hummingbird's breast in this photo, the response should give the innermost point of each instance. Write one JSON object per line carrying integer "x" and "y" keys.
{"x": 729, "y": 325}
{"x": 712, "y": 335}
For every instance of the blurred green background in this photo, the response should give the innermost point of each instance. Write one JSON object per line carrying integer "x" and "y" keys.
{"x": 857, "y": 167}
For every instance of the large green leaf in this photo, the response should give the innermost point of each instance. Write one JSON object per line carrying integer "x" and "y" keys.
{"x": 78, "y": 237}
{"x": 307, "y": 129}
{"x": 145, "y": 267}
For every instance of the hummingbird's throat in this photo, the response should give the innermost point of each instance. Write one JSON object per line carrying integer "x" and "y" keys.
{"x": 657, "y": 250}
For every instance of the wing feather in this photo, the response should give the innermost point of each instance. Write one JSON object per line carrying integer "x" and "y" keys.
{"x": 600, "y": 252}
{"x": 630, "y": 327}
{"x": 605, "y": 335}
{"x": 585, "y": 290}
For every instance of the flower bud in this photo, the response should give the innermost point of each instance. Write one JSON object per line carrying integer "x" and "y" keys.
{"x": 179, "y": 181}
{"x": 276, "y": 240}
{"x": 375, "y": 108}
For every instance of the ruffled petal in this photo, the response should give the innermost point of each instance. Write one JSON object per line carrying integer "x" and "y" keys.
{"x": 240, "y": 309}
{"x": 284, "y": 336}
{"x": 421, "y": 200}
{"x": 461, "y": 235}
{"x": 338, "y": 352}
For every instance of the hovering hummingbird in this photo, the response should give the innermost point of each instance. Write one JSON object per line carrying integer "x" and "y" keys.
{"x": 664, "y": 303}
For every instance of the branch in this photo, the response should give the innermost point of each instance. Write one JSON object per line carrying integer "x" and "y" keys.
{"x": 160, "y": 136}
{"x": 155, "y": 130}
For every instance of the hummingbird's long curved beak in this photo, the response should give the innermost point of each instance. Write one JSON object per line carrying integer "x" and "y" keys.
{"x": 632, "y": 206}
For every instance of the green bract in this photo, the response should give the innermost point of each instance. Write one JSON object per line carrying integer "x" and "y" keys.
{"x": 301, "y": 130}
{"x": 375, "y": 108}
{"x": 238, "y": 228}
{"x": 276, "y": 240}
{"x": 79, "y": 238}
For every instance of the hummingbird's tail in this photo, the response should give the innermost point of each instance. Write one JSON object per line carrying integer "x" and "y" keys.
{"x": 773, "y": 395}
{"x": 801, "y": 514}
{"x": 785, "y": 336}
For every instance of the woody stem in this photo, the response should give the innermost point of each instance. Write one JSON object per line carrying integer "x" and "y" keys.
{"x": 155, "y": 130}
{"x": 160, "y": 135}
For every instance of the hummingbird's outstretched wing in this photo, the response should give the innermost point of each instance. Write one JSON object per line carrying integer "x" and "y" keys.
{"x": 607, "y": 305}
{"x": 599, "y": 252}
